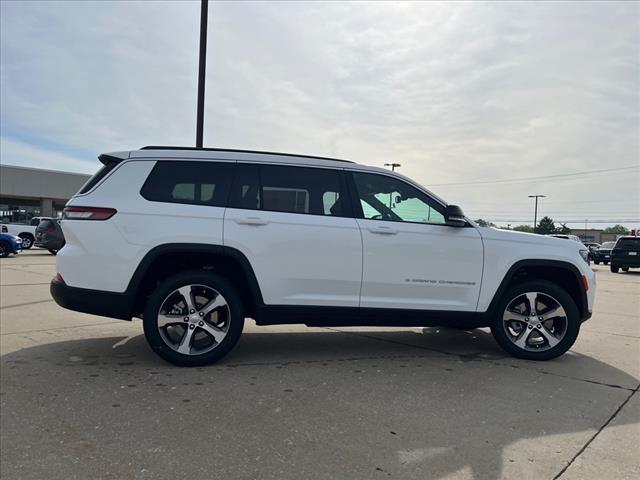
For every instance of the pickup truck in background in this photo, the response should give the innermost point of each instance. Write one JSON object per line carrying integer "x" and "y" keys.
{"x": 27, "y": 232}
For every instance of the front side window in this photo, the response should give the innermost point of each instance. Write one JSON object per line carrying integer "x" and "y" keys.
{"x": 279, "y": 188}
{"x": 196, "y": 183}
{"x": 387, "y": 198}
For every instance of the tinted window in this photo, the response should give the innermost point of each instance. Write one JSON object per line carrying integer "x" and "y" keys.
{"x": 314, "y": 191}
{"x": 100, "y": 174}
{"x": 387, "y": 198}
{"x": 628, "y": 243}
{"x": 198, "y": 183}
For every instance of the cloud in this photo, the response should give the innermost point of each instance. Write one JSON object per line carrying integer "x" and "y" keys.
{"x": 23, "y": 154}
{"x": 453, "y": 91}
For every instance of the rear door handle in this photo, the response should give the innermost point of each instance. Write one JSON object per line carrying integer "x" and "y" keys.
{"x": 252, "y": 221}
{"x": 383, "y": 230}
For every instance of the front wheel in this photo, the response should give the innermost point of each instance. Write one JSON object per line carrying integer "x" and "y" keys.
{"x": 5, "y": 249}
{"x": 536, "y": 320}
{"x": 614, "y": 269}
{"x": 27, "y": 240}
{"x": 193, "y": 318}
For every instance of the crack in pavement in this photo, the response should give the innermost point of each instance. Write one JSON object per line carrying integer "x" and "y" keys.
{"x": 26, "y": 304}
{"x": 593, "y": 437}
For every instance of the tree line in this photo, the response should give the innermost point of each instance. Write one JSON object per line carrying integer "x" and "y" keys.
{"x": 547, "y": 226}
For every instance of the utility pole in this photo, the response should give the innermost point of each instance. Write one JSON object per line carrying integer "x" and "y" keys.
{"x": 393, "y": 169}
{"x": 535, "y": 214}
{"x": 202, "y": 67}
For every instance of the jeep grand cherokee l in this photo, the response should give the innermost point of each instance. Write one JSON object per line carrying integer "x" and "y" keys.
{"x": 284, "y": 238}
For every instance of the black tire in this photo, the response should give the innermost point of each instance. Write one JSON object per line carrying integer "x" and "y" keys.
{"x": 572, "y": 320}
{"x": 605, "y": 262}
{"x": 614, "y": 269}
{"x": 27, "y": 240}
{"x": 597, "y": 262}
{"x": 52, "y": 251}
{"x": 625, "y": 269}
{"x": 212, "y": 280}
{"x": 5, "y": 248}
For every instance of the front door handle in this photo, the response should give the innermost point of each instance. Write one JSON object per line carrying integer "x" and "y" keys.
{"x": 252, "y": 221}
{"x": 383, "y": 230}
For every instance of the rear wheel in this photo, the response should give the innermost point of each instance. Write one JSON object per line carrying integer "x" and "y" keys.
{"x": 27, "y": 240}
{"x": 606, "y": 262}
{"x": 597, "y": 262}
{"x": 5, "y": 249}
{"x": 193, "y": 318}
{"x": 614, "y": 269}
{"x": 536, "y": 320}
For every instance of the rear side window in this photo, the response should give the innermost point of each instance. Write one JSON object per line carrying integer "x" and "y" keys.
{"x": 628, "y": 243}
{"x": 196, "y": 183}
{"x": 313, "y": 191}
{"x": 99, "y": 175}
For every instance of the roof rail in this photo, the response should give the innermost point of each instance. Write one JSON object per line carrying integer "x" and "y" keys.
{"x": 165, "y": 147}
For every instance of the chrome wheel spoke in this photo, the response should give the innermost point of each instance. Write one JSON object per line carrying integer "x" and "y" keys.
{"x": 521, "y": 341}
{"x": 550, "y": 337}
{"x": 185, "y": 344}
{"x": 164, "y": 319}
{"x": 188, "y": 298}
{"x": 219, "y": 301}
{"x": 531, "y": 298}
{"x": 512, "y": 316}
{"x": 216, "y": 332}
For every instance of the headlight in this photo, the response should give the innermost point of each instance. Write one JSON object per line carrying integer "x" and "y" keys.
{"x": 585, "y": 255}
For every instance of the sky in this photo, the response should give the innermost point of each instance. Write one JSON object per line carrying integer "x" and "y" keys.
{"x": 483, "y": 103}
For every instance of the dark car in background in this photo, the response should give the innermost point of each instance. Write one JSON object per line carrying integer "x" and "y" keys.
{"x": 49, "y": 235}
{"x": 625, "y": 254}
{"x": 592, "y": 246}
{"x": 603, "y": 253}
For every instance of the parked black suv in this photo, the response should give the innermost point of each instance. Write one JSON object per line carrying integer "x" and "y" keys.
{"x": 603, "y": 253}
{"x": 49, "y": 235}
{"x": 625, "y": 254}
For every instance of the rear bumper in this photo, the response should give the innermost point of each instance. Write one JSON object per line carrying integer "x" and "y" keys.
{"x": 625, "y": 262}
{"x": 95, "y": 302}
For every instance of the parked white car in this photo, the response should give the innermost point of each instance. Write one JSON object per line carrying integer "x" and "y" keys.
{"x": 194, "y": 240}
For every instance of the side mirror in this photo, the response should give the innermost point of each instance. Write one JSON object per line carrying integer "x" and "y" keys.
{"x": 454, "y": 217}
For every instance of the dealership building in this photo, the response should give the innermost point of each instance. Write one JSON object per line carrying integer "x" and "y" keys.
{"x": 33, "y": 192}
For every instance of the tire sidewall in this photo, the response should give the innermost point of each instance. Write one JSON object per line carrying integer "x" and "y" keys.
{"x": 545, "y": 287}
{"x": 171, "y": 284}
{"x": 6, "y": 249}
{"x": 29, "y": 238}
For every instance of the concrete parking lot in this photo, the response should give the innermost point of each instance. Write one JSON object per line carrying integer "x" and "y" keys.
{"x": 83, "y": 397}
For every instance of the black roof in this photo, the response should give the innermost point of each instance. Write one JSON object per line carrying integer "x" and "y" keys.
{"x": 165, "y": 147}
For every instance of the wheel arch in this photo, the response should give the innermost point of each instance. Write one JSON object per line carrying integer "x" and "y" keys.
{"x": 167, "y": 259}
{"x": 564, "y": 274}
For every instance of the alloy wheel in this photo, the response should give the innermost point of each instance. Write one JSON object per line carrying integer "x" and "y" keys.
{"x": 534, "y": 321}
{"x": 194, "y": 319}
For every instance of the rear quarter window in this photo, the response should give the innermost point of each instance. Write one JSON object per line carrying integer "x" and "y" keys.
{"x": 195, "y": 183}
{"x": 628, "y": 243}
{"x": 99, "y": 175}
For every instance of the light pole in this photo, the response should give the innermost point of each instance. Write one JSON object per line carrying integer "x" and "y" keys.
{"x": 535, "y": 212}
{"x": 202, "y": 67}
{"x": 393, "y": 169}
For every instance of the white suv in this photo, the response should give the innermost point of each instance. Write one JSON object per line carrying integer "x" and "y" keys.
{"x": 194, "y": 240}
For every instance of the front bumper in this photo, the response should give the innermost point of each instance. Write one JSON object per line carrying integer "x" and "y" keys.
{"x": 95, "y": 302}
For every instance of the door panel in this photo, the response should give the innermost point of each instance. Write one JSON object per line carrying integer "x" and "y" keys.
{"x": 411, "y": 259}
{"x": 296, "y": 229}
{"x": 420, "y": 266}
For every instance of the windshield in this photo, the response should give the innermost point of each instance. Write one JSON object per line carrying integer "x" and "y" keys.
{"x": 608, "y": 245}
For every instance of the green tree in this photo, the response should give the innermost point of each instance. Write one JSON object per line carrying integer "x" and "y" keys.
{"x": 484, "y": 223}
{"x": 523, "y": 228}
{"x": 619, "y": 229}
{"x": 546, "y": 226}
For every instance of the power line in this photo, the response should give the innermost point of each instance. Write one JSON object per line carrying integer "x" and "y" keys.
{"x": 544, "y": 177}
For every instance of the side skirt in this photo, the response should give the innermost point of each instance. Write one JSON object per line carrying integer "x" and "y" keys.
{"x": 354, "y": 316}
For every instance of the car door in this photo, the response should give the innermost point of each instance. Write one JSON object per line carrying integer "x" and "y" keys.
{"x": 298, "y": 232}
{"x": 411, "y": 259}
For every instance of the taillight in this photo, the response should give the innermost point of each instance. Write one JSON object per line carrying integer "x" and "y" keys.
{"x": 5, "y": 229}
{"x": 50, "y": 229}
{"x": 88, "y": 213}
